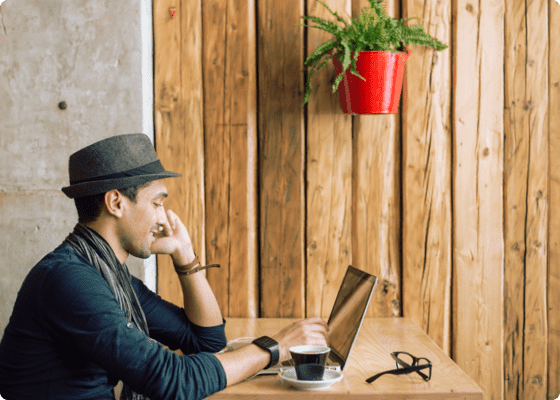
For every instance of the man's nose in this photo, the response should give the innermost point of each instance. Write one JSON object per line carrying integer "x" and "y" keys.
{"x": 161, "y": 215}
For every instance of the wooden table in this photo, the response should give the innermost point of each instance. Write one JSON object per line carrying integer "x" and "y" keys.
{"x": 370, "y": 355}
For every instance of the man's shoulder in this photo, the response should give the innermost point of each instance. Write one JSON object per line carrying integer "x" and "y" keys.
{"x": 63, "y": 255}
{"x": 63, "y": 260}
{"x": 64, "y": 273}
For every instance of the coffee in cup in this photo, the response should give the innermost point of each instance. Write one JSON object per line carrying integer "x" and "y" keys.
{"x": 310, "y": 361}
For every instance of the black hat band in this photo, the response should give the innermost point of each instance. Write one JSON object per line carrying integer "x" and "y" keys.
{"x": 148, "y": 169}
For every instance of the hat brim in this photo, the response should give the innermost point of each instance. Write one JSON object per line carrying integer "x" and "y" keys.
{"x": 97, "y": 187}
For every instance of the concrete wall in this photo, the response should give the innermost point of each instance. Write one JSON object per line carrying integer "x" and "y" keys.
{"x": 88, "y": 54}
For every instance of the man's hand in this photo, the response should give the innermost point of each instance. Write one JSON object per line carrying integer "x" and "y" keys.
{"x": 308, "y": 331}
{"x": 248, "y": 360}
{"x": 173, "y": 238}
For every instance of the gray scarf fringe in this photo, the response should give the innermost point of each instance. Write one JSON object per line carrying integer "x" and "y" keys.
{"x": 92, "y": 246}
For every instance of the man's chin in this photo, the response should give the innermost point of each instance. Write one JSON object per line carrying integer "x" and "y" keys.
{"x": 141, "y": 253}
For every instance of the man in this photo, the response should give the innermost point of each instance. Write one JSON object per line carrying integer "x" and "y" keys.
{"x": 81, "y": 322}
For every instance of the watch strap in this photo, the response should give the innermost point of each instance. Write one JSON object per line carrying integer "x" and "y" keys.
{"x": 271, "y": 346}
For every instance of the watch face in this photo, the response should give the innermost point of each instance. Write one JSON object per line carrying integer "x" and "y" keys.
{"x": 266, "y": 341}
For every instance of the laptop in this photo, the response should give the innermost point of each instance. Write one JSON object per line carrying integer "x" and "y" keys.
{"x": 345, "y": 320}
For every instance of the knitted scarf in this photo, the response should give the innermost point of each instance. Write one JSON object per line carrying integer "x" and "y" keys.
{"x": 92, "y": 246}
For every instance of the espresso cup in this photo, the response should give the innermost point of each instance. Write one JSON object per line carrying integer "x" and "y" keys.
{"x": 310, "y": 361}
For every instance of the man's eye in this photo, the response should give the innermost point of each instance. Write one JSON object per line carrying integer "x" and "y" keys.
{"x": 158, "y": 205}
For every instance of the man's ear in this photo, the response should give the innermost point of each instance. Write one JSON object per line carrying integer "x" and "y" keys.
{"x": 114, "y": 203}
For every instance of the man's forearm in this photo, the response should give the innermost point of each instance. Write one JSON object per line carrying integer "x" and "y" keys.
{"x": 243, "y": 363}
{"x": 199, "y": 302}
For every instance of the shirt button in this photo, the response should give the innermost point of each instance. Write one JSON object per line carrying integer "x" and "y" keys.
{"x": 129, "y": 325}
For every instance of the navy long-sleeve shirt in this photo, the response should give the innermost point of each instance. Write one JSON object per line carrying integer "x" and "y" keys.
{"x": 67, "y": 338}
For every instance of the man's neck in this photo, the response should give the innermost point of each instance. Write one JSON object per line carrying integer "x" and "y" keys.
{"x": 107, "y": 232}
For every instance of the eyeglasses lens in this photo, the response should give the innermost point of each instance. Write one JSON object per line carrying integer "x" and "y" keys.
{"x": 405, "y": 358}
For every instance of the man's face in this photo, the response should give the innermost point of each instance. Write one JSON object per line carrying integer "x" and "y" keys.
{"x": 142, "y": 219}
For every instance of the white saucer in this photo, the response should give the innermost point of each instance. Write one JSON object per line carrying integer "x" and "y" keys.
{"x": 330, "y": 377}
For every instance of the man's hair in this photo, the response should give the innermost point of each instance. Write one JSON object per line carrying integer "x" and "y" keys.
{"x": 89, "y": 207}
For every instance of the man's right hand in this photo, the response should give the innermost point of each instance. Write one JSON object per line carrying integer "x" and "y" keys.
{"x": 248, "y": 360}
{"x": 308, "y": 331}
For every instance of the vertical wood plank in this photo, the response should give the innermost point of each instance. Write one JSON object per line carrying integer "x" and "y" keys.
{"x": 536, "y": 328}
{"x": 516, "y": 124}
{"x": 329, "y": 178}
{"x": 244, "y": 160}
{"x": 281, "y": 158}
{"x": 376, "y": 229}
{"x": 427, "y": 176}
{"x": 179, "y": 127}
{"x": 230, "y": 159}
{"x": 553, "y": 283}
{"x": 217, "y": 136}
{"x": 526, "y": 199}
{"x": 478, "y": 193}
{"x": 168, "y": 120}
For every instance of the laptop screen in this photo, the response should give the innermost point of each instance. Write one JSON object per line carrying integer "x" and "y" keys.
{"x": 348, "y": 312}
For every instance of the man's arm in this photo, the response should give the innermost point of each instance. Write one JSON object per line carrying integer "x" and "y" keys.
{"x": 199, "y": 300}
{"x": 247, "y": 361}
{"x": 200, "y": 303}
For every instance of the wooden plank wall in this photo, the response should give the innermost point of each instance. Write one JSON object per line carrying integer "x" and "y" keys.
{"x": 453, "y": 202}
{"x": 329, "y": 180}
{"x": 478, "y": 229}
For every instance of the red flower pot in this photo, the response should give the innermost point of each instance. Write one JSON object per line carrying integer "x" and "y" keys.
{"x": 381, "y": 91}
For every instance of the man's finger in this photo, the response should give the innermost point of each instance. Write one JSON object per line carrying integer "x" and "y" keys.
{"x": 173, "y": 219}
{"x": 167, "y": 229}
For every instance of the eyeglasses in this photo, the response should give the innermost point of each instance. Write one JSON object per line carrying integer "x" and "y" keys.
{"x": 406, "y": 364}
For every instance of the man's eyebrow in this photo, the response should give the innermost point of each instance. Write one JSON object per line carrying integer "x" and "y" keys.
{"x": 160, "y": 194}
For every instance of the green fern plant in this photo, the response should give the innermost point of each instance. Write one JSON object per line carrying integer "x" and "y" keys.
{"x": 372, "y": 30}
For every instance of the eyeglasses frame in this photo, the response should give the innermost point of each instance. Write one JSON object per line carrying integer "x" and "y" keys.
{"x": 407, "y": 369}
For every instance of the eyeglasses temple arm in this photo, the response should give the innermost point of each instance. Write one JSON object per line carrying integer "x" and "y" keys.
{"x": 401, "y": 371}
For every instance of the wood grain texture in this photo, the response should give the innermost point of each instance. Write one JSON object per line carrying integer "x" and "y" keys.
{"x": 553, "y": 283}
{"x": 376, "y": 229}
{"x": 376, "y": 217}
{"x": 526, "y": 199}
{"x": 179, "y": 128}
{"x": 478, "y": 194}
{"x": 230, "y": 159}
{"x": 536, "y": 257}
{"x": 426, "y": 169}
{"x": 329, "y": 180}
{"x": 516, "y": 124}
{"x": 281, "y": 158}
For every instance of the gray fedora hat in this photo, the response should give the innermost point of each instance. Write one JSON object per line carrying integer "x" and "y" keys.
{"x": 114, "y": 163}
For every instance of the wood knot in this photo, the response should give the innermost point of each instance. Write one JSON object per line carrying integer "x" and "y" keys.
{"x": 469, "y": 7}
{"x": 486, "y": 152}
{"x": 537, "y": 380}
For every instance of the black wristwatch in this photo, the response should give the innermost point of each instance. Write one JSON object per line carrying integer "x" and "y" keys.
{"x": 271, "y": 346}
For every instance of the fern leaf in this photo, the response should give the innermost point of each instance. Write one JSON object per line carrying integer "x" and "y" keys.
{"x": 320, "y": 52}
